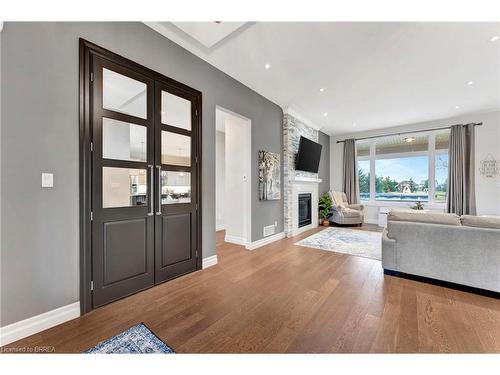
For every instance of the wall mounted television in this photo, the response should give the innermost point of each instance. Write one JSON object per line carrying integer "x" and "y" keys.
{"x": 308, "y": 156}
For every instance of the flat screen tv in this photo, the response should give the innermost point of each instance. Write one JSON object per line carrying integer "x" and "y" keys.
{"x": 308, "y": 156}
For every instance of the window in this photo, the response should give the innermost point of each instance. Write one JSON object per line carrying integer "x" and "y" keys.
{"x": 363, "y": 149}
{"x": 402, "y": 179}
{"x": 441, "y": 178}
{"x": 406, "y": 168}
{"x": 398, "y": 144}
{"x": 443, "y": 141}
{"x": 364, "y": 179}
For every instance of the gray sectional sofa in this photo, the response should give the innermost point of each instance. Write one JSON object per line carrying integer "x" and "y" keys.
{"x": 463, "y": 250}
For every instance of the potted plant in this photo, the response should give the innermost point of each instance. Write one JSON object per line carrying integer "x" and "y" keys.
{"x": 325, "y": 203}
{"x": 418, "y": 206}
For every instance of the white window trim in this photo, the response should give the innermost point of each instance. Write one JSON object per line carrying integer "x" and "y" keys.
{"x": 431, "y": 153}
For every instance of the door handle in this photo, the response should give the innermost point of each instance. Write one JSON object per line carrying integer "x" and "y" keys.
{"x": 159, "y": 190}
{"x": 151, "y": 189}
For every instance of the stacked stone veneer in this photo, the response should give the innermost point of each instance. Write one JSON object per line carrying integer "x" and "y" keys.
{"x": 293, "y": 129}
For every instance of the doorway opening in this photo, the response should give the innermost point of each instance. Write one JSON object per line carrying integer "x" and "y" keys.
{"x": 233, "y": 148}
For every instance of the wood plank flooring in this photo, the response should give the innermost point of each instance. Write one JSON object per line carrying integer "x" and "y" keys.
{"x": 287, "y": 298}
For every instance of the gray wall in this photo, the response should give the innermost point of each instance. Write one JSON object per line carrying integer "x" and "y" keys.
{"x": 324, "y": 163}
{"x": 39, "y": 125}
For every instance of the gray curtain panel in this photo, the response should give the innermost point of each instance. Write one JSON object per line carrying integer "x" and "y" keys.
{"x": 461, "y": 190}
{"x": 350, "y": 181}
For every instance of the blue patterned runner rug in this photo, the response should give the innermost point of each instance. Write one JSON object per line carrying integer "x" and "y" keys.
{"x": 135, "y": 340}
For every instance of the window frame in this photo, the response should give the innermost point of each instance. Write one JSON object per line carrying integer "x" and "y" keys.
{"x": 431, "y": 153}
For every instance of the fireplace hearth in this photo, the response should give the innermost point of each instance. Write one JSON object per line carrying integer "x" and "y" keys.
{"x": 304, "y": 211}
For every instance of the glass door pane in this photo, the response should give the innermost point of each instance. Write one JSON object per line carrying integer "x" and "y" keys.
{"x": 175, "y": 149}
{"x": 123, "y": 141}
{"x": 124, "y": 187}
{"x": 175, "y": 187}
{"x": 175, "y": 111}
{"x": 123, "y": 94}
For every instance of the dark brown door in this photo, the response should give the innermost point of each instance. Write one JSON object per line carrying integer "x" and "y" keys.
{"x": 123, "y": 170}
{"x": 176, "y": 175}
{"x": 144, "y": 178}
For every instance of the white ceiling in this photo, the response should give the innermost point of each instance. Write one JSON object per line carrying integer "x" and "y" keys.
{"x": 208, "y": 33}
{"x": 375, "y": 75}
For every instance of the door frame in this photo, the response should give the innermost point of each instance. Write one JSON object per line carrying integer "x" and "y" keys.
{"x": 247, "y": 195}
{"x": 86, "y": 51}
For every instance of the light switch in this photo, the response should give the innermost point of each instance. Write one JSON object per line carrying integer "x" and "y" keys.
{"x": 47, "y": 180}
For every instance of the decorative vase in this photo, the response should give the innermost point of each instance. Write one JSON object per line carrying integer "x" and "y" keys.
{"x": 326, "y": 223}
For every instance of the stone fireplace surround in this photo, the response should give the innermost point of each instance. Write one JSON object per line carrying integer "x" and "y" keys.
{"x": 297, "y": 182}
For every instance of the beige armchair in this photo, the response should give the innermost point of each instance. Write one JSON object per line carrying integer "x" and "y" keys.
{"x": 343, "y": 212}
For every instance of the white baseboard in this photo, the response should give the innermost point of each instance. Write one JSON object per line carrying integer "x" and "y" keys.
{"x": 38, "y": 323}
{"x": 220, "y": 227}
{"x": 209, "y": 261}
{"x": 265, "y": 241}
{"x": 236, "y": 240}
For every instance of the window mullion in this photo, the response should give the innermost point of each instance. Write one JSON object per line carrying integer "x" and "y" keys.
{"x": 372, "y": 171}
{"x": 432, "y": 167}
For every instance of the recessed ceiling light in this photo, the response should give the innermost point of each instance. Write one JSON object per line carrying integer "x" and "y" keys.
{"x": 325, "y": 114}
{"x": 267, "y": 66}
{"x": 470, "y": 83}
{"x": 494, "y": 38}
{"x": 457, "y": 107}
{"x": 322, "y": 90}
{"x": 409, "y": 139}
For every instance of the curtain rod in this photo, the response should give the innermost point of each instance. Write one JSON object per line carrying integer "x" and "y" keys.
{"x": 410, "y": 132}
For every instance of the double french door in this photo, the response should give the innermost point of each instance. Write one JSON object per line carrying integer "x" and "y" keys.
{"x": 144, "y": 134}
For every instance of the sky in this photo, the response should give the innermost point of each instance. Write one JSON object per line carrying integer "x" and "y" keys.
{"x": 402, "y": 169}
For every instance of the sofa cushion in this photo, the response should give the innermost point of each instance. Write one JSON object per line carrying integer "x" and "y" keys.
{"x": 424, "y": 217}
{"x": 481, "y": 221}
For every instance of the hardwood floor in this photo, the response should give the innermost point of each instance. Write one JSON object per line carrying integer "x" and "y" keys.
{"x": 288, "y": 298}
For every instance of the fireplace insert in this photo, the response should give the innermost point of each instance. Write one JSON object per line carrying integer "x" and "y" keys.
{"x": 304, "y": 209}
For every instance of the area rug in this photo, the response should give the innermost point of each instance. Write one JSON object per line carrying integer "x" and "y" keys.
{"x": 347, "y": 241}
{"x": 135, "y": 340}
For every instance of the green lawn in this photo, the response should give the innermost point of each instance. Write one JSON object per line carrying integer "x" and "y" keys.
{"x": 440, "y": 197}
